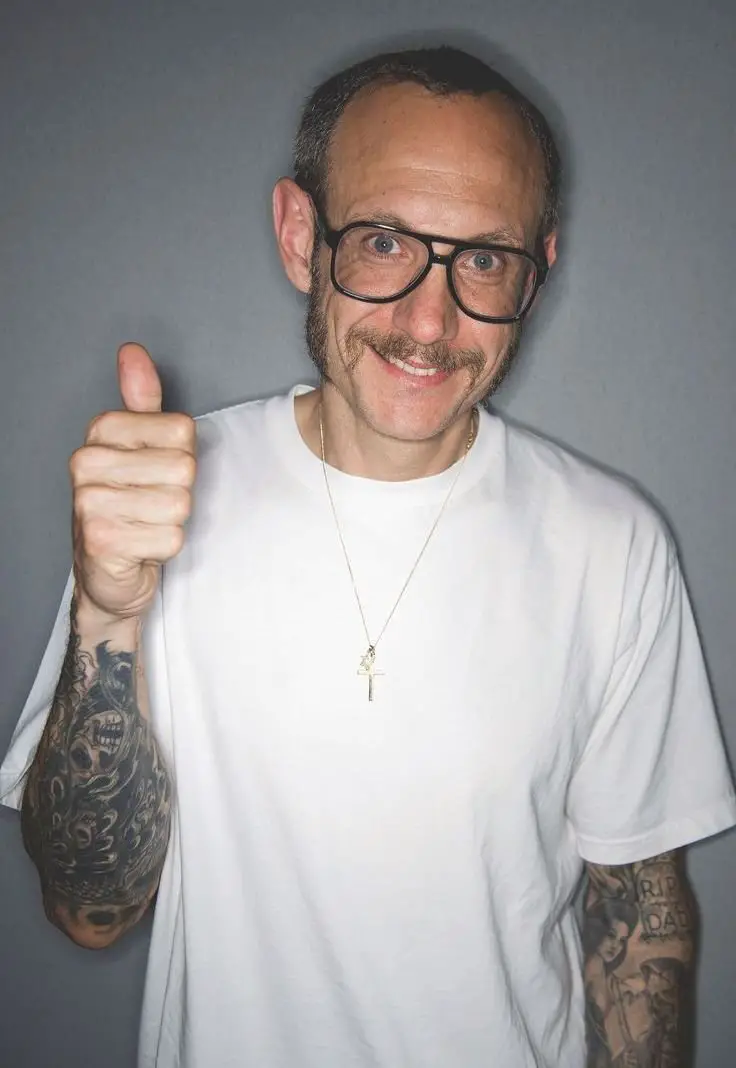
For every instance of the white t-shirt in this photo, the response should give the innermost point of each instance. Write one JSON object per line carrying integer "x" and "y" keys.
{"x": 388, "y": 885}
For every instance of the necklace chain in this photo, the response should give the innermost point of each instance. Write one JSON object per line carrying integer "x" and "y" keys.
{"x": 367, "y": 661}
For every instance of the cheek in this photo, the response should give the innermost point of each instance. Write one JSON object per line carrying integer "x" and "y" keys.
{"x": 342, "y": 314}
{"x": 491, "y": 339}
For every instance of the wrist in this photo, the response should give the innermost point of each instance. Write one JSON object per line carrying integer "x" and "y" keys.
{"x": 95, "y": 625}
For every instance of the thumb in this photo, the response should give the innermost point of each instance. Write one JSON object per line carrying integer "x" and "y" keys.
{"x": 140, "y": 385}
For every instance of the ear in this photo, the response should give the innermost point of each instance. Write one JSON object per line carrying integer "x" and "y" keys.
{"x": 549, "y": 244}
{"x": 550, "y": 248}
{"x": 293, "y": 221}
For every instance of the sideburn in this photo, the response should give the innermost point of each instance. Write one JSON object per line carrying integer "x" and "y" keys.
{"x": 315, "y": 325}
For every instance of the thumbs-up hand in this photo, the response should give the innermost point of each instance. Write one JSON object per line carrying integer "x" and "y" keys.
{"x": 132, "y": 482}
{"x": 140, "y": 386}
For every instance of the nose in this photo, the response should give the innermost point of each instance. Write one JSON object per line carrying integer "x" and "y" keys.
{"x": 429, "y": 313}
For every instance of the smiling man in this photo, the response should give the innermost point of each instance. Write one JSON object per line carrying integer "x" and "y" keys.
{"x": 410, "y": 370}
{"x": 413, "y": 672}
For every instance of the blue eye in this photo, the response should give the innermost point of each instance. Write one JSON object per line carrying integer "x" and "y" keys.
{"x": 383, "y": 244}
{"x": 484, "y": 261}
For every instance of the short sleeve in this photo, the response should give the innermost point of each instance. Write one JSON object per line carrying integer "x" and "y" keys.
{"x": 653, "y": 774}
{"x": 35, "y": 712}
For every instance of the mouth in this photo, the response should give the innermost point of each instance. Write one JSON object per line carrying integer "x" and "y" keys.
{"x": 419, "y": 373}
{"x": 412, "y": 368}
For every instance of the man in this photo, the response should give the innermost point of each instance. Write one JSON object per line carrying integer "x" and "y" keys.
{"x": 408, "y": 671}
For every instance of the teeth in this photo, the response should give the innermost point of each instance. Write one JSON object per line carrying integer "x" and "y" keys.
{"x": 422, "y": 372}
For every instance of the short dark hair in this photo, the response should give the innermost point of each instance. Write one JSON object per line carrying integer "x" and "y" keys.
{"x": 444, "y": 71}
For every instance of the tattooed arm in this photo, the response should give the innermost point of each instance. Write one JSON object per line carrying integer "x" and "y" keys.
{"x": 96, "y": 807}
{"x": 638, "y": 939}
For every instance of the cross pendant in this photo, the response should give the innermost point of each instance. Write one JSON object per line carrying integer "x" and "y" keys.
{"x": 368, "y": 667}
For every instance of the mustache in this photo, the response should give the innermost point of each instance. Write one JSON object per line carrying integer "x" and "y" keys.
{"x": 400, "y": 347}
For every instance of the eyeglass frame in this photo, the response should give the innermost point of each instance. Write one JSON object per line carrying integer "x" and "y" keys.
{"x": 333, "y": 238}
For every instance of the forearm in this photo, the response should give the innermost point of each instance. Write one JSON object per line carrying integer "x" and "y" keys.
{"x": 638, "y": 936}
{"x": 96, "y": 808}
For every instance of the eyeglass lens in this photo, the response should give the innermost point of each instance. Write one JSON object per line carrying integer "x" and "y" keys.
{"x": 379, "y": 264}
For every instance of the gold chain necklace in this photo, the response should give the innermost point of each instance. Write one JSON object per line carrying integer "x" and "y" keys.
{"x": 368, "y": 660}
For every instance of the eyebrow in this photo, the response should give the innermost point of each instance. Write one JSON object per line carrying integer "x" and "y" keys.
{"x": 503, "y": 235}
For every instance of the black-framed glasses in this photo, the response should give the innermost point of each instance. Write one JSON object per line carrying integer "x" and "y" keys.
{"x": 379, "y": 263}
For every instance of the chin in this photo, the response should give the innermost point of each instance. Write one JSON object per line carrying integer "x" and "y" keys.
{"x": 399, "y": 404}
{"x": 408, "y": 424}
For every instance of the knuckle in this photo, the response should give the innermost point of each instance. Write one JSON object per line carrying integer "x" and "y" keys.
{"x": 181, "y": 500}
{"x": 88, "y": 500}
{"x": 100, "y": 427}
{"x": 182, "y": 428}
{"x": 78, "y": 463}
{"x": 185, "y": 468}
{"x": 175, "y": 540}
{"x": 96, "y": 536}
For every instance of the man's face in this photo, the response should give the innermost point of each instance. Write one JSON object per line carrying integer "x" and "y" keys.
{"x": 457, "y": 166}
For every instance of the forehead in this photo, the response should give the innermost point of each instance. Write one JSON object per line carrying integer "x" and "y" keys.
{"x": 438, "y": 161}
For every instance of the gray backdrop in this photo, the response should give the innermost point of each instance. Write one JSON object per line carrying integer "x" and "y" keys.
{"x": 139, "y": 141}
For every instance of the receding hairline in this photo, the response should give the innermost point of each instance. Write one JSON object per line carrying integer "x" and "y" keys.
{"x": 443, "y": 72}
{"x": 494, "y": 97}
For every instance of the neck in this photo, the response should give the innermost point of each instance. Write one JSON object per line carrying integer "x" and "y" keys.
{"x": 353, "y": 446}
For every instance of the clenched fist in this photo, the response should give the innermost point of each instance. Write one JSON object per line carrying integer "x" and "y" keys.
{"x": 132, "y": 482}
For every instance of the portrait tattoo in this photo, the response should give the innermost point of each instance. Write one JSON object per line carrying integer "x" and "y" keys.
{"x": 97, "y": 804}
{"x": 638, "y": 934}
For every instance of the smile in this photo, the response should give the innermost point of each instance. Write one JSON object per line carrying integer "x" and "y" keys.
{"x": 421, "y": 372}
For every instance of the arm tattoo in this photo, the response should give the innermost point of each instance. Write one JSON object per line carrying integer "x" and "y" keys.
{"x": 638, "y": 937}
{"x": 97, "y": 804}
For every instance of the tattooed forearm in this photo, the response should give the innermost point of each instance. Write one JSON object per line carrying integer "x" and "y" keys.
{"x": 638, "y": 937}
{"x": 96, "y": 808}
